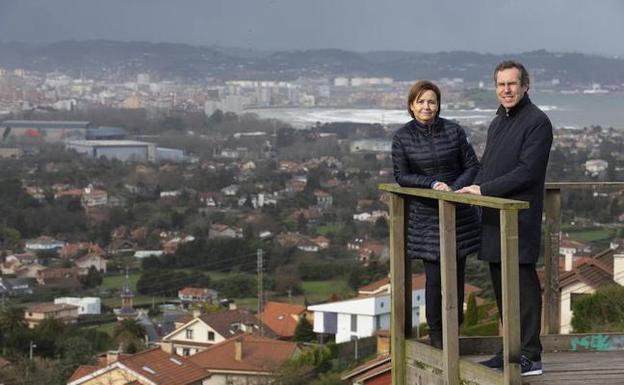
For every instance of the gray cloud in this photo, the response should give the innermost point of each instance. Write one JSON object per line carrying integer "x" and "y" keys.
{"x": 498, "y": 26}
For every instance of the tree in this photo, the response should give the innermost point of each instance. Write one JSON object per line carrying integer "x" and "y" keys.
{"x": 602, "y": 311}
{"x": 304, "y": 331}
{"x": 93, "y": 278}
{"x": 130, "y": 334}
{"x": 472, "y": 314}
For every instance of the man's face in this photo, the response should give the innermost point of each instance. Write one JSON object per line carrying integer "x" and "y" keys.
{"x": 509, "y": 91}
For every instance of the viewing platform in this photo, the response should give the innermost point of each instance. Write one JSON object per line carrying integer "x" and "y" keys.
{"x": 570, "y": 359}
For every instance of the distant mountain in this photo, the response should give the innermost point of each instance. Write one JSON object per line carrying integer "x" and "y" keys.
{"x": 112, "y": 59}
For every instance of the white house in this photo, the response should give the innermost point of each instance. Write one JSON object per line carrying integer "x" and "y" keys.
{"x": 360, "y": 317}
{"x": 86, "y": 305}
{"x": 363, "y": 316}
{"x": 604, "y": 268}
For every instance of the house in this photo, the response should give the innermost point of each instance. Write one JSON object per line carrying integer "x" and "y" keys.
{"x": 360, "y": 317}
{"x": 15, "y": 287}
{"x": 86, "y": 305}
{"x": 93, "y": 198}
{"x": 283, "y": 318}
{"x": 363, "y": 316}
{"x": 322, "y": 242}
{"x": 570, "y": 249}
{"x": 22, "y": 259}
{"x": 323, "y": 199}
{"x": 246, "y": 359}
{"x": 196, "y": 294}
{"x": 205, "y": 330}
{"x": 230, "y": 190}
{"x": 219, "y": 230}
{"x": 61, "y": 277}
{"x": 73, "y": 250}
{"x": 149, "y": 367}
{"x": 602, "y": 269}
{"x": 43, "y": 243}
{"x": 30, "y": 271}
{"x": 34, "y": 314}
{"x": 92, "y": 260}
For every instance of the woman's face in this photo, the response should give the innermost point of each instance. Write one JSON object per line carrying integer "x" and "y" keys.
{"x": 425, "y": 107}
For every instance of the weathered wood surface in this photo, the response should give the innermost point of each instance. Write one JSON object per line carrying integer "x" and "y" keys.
{"x": 577, "y": 368}
{"x": 552, "y": 238}
{"x": 478, "y": 200}
{"x": 401, "y": 317}
{"x": 511, "y": 300}
{"x": 583, "y": 362}
{"x": 448, "y": 272}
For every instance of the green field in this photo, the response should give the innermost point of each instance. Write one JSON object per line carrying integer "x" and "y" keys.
{"x": 321, "y": 290}
{"x": 591, "y": 235}
{"x": 106, "y": 328}
{"x": 114, "y": 282}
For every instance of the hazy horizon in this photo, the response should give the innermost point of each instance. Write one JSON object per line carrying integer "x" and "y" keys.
{"x": 483, "y": 26}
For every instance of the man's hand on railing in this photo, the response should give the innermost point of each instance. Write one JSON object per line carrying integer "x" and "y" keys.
{"x": 472, "y": 189}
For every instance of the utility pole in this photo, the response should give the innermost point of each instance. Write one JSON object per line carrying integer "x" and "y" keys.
{"x": 260, "y": 290}
{"x": 32, "y": 346}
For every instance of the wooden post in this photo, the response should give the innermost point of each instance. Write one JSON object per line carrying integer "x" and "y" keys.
{"x": 401, "y": 290}
{"x": 448, "y": 272}
{"x": 552, "y": 235}
{"x": 511, "y": 300}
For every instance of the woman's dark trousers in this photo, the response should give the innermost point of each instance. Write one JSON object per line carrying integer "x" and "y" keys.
{"x": 433, "y": 298}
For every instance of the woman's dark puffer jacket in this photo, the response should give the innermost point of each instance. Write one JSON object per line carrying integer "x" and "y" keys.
{"x": 422, "y": 155}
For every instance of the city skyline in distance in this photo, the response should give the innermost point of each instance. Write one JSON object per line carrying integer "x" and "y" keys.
{"x": 485, "y": 26}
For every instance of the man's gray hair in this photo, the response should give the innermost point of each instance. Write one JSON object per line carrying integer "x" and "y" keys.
{"x": 524, "y": 74}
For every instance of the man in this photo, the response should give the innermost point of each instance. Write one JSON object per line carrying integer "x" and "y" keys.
{"x": 514, "y": 166}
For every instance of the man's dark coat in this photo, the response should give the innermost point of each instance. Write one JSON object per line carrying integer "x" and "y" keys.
{"x": 514, "y": 166}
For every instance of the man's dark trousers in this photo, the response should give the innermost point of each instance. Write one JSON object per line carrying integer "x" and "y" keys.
{"x": 530, "y": 307}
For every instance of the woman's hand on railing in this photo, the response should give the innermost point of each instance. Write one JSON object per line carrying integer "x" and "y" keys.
{"x": 441, "y": 186}
{"x": 472, "y": 189}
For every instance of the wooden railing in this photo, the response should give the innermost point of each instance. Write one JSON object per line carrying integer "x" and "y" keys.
{"x": 448, "y": 360}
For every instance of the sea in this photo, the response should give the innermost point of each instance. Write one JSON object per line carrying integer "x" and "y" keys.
{"x": 565, "y": 110}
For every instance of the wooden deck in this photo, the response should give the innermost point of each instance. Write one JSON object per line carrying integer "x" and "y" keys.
{"x": 573, "y": 359}
{"x": 577, "y": 368}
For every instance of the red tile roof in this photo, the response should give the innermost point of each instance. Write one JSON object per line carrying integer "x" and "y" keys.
{"x": 163, "y": 368}
{"x": 282, "y": 318}
{"x": 259, "y": 354}
{"x": 369, "y": 369}
{"x": 155, "y": 365}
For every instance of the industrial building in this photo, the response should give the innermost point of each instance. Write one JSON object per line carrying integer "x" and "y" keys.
{"x": 125, "y": 150}
{"x": 48, "y": 131}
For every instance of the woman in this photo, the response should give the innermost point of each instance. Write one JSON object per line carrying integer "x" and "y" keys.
{"x": 433, "y": 152}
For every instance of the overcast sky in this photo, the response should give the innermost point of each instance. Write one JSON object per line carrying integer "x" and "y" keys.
{"x": 494, "y": 26}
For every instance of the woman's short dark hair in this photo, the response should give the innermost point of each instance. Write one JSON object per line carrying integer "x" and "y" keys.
{"x": 507, "y": 64}
{"x": 418, "y": 89}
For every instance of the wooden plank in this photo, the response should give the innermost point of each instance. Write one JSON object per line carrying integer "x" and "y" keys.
{"x": 398, "y": 272}
{"x": 448, "y": 272}
{"x": 474, "y": 373}
{"x": 582, "y": 185}
{"x": 552, "y": 235}
{"x": 581, "y": 342}
{"x": 511, "y": 300}
{"x": 424, "y": 354}
{"x": 478, "y": 200}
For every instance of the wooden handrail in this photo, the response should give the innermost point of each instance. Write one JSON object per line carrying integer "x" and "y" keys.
{"x": 401, "y": 285}
{"x": 476, "y": 200}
